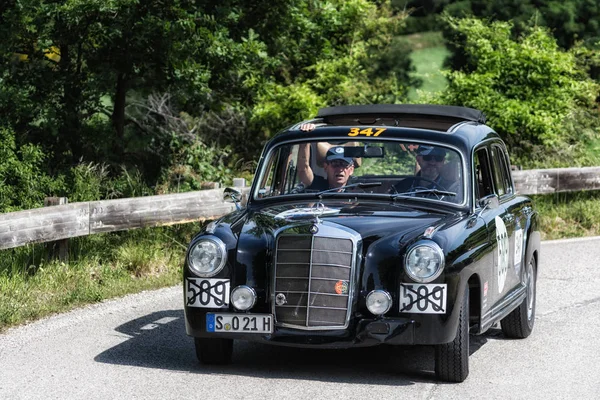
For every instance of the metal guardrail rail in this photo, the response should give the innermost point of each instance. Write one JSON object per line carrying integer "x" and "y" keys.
{"x": 86, "y": 218}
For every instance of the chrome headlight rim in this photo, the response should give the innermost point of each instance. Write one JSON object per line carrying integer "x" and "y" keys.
{"x": 220, "y": 246}
{"x": 386, "y": 295}
{"x": 252, "y": 293}
{"x": 432, "y": 245}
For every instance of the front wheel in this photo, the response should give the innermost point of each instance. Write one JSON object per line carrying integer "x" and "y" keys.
{"x": 214, "y": 350}
{"x": 519, "y": 323}
{"x": 452, "y": 359}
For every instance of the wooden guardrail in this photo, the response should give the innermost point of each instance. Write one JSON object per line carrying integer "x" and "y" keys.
{"x": 87, "y": 218}
{"x": 545, "y": 181}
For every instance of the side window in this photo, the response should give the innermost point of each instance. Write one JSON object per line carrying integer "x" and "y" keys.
{"x": 272, "y": 180}
{"x": 500, "y": 171}
{"x": 280, "y": 173}
{"x": 505, "y": 170}
{"x": 483, "y": 178}
{"x": 268, "y": 180}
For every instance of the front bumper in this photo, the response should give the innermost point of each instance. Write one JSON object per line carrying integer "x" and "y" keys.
{"x": 363, "y": 333}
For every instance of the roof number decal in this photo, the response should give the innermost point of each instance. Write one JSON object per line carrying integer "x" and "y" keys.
{"x": 366, "y": 132}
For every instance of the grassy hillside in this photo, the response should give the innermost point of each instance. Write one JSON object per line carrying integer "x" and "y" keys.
{"x": 428, "y": 58}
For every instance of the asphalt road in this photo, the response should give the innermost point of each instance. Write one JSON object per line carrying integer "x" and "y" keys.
{"x": 136, "y": 348}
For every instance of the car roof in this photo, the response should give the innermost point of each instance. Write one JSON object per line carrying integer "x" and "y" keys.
{"x": 462, "y": 127}
{"x": 415, "y": 115}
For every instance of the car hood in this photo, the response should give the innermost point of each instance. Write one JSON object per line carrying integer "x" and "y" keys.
{"x": 385, "y": 229}
{"x": 372, "y": 220}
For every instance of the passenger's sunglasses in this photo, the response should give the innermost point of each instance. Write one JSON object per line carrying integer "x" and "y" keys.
{"x": 436, "y": 158}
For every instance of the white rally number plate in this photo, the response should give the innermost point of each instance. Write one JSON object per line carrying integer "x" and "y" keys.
{"x": 423, "y": 298}
{"x": 207, "y": 293}
{"x": 239, "y": 323}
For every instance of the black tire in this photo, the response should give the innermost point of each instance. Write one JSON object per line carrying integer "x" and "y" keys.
{"x": 519, "y": 323}
{"x": 214, "y": 351}
{"x": 452, "y": 359}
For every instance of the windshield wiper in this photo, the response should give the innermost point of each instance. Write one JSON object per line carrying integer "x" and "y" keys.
{"x": 421, "y": 191}
{"x": 360, "y": 185}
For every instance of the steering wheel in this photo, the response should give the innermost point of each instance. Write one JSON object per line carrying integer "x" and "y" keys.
{"x": 408, "y": 185}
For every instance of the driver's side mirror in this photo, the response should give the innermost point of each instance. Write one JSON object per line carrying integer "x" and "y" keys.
{"x": 490, "y": 201}
{"x": 232, "y": 194}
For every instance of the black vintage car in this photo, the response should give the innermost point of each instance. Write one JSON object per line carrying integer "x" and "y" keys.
{"x": 370, "y": 225}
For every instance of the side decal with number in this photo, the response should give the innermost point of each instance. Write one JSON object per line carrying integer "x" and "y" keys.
{"x": 503, "y": 246}
{"x": 207, "y": 293}
{"x": 518, "y": 250}
{"x": 423, "y": 299}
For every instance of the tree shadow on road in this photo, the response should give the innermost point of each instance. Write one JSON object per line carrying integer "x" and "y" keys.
{"x": 158, "y": 340}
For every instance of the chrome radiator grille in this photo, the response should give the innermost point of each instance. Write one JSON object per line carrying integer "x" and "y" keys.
{"x": 313, "y": 281}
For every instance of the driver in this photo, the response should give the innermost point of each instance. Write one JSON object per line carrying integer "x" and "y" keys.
{"x": 338, "y": 169}
{"x": 431, "y": 160}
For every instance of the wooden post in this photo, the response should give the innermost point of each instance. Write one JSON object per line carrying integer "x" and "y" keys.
{"x": 210, "y": 185}
{"x": 59, "y": 248}
{"x": 239, "y": 182}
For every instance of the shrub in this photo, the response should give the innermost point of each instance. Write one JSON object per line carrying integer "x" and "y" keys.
{"x": 529, "y": 88}
{"x": 23, "y": 182}
{"x": 91, "y": 182}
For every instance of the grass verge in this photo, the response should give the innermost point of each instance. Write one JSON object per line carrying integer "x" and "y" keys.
{"x": 568, "y": 215}
{"x": 101, "y": 267}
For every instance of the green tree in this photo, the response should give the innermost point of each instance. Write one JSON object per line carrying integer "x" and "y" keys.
{"x": 569, "y": 21}
{"x": 71, "y": 71}
{"x": 528, "y": 87}
{"x": 108, "y": 52}
{"x": 358, "y": 62}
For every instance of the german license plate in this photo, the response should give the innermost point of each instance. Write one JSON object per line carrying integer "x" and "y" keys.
{"x": 239, "y": 323}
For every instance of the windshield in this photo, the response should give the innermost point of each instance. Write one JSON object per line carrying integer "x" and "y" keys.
{"x": 396, "y": 169}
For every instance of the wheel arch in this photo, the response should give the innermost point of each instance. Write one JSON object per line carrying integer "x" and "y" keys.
{"x": 534, "y": 240}
{"x": 475, "y": 305}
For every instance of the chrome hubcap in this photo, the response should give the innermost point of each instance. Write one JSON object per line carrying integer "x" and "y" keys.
{"x": 530, "y": 291}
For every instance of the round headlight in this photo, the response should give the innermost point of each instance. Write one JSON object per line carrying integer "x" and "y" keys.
{"x": 379, "y": 302}
{"x": 207, "y": 256}
{"x": 243, "y": 297}
{"x": 424, "y": 262}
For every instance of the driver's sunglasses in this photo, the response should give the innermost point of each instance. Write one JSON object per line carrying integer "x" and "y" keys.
{"x": 436, "y": 158}
{"x": 340, "y": 164}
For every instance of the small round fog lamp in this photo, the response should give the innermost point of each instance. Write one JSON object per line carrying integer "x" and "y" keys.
{"x": 243, "y": 297}
{"x": 379, "y": 302}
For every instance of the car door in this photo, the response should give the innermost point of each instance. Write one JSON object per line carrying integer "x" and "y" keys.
{"x": 514, "y": 219}
{"x": 488, "y": 207}
{"x": 507, "y": 277}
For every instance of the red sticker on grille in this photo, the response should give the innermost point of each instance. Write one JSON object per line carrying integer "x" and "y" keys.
{"x": 341, "y": 287}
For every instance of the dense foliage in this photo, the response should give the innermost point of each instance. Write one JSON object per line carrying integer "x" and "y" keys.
{"x": 23, "y": 182}
{"x": 569, "y": 21}
{"x": 116, "y": 98}
{"x": 534, "y": 93}
{"x": 175, "y": 85}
